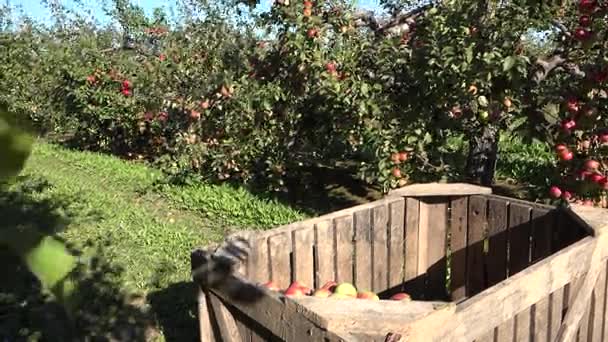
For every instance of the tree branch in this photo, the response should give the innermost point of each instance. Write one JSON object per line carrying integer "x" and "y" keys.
{"x": 399, "y": 24}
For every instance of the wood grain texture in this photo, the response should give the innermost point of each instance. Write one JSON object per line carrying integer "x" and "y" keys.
{"x": 344, "y": 249}
{"x": 505, "y": 332}
{"x": 497, "y": 240}
{"x": 303, "y": 257}
{"x": 598, "y": 302}
{"x": 556, "y": 311}
{"x": 579, "y": 300}
{"x": 397, "y": 212}
{"x": 436, "y": 245}
{"x": 522, "y": 325}
{"x": 519, "y": 237}
{"x": 411, "y": 238}
{"x": 227, "y": 326}
{"x": 363, "y": 250}
{"x": 204, "y": 318}
{"x": 458, "y": 243}
{"x": 259, "y": 270}
{"x": 279, "y": 249}
{"x": 380, "y": 218}
{"x": 475, "y": 254}
{"x": 440, "y": 189}
{"x": 541, "y": 320}
{"x": 325, "y": 254}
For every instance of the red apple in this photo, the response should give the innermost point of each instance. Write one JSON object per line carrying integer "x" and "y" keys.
{"x": 367, "y": 295}
{"x": 568, "y": 124}
{"x": 126, "y": 84}
{"x": 588, "y": 202}
{"x": 162, "y": 116}
{"x": 126, "y": 92}
{"x": 195, "y": 115}
{"x": 396, "y": 172}
{"x": 582, "y": 33}
{"x": 312, "y": 33}
{"x": 330, "y": 67}
{"x": 566, "y": 196}
{"x": 205, "y": 104}
{"x": 91, "y": 79}
{"x": 585, "y": 21}
{"x": 566, "y": 156}
{"x": 603, "y": 137}
{"x": 403, "y": 156}
{"x": 401, "y": 296}
{"x": 572, "y": 106}
{"x": 585, "y": 144}
{"x": 330, "y": 285}
{"x": 555, "y": 192}
{"x": 561, "y": 148}
{"x": 271, "y": 286}
{"x": 395, "y": 158}
{"x": 587, "y": 5}
{"x": 307, "y": 4}
{"x": 307, "y": 12}
{"x": 294, "y": 292}
{"x": 597, "y": 178}
{"x": 592, "y": 164}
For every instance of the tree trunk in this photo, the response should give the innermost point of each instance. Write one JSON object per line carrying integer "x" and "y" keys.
{"x": 483, "y": 154}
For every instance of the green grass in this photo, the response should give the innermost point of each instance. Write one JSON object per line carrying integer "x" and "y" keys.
{"x": 147, "y": 232}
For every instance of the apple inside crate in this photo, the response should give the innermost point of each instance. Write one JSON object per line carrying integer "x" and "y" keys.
{"x": 363, "y": 273}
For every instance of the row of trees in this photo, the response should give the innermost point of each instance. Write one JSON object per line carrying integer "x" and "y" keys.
{"x": 319, "y": 82}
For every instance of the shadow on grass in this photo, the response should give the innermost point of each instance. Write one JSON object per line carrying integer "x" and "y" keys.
{"x": 174, "y": 308}
{"x": 104, "y": 312}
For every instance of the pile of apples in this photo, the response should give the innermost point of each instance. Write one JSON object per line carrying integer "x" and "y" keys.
{"x": 331, "y": 289}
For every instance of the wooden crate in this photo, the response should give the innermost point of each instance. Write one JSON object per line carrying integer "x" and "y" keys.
{"x": 479, "y": 267}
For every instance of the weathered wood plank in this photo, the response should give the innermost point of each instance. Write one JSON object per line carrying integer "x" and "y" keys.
{"x": 579, "y": 301}
{"x": 497, "y": 240}
{"x": 458, "y": 242}
{"x": 505, "y": 331}
{"x": 396, "y": 243}
{"x": 519, "y": 237}
{"x": 380, "y": 248}
{"x": 487, "y": 337}
{"x": 325, "y": 252}
{"x": 541, "y": 320}
{"x": 363, "y": 250}
{"x": 435, "y": 242}
{"x": 599, "y": 300}
{"x": 522, "y": 325}
{"x": 204, "y": 319}
{"x": 259, "y": 266}
{"x": 344, "y": 249}
{"x": 423, "y": 247}
{"x": 475, "y": 254}
{"x": 548, "y": 275}
{"x": 279, "y": 250}
{"x": 556, "y": 308}
{"x": 303, "y": 258}
{"x": 227, "y": 326}
{"x": 440, "y": 189}
{"x": 411, "y": 239}
{"x": 283, "y": 317}
{"x": 543, "y": 222}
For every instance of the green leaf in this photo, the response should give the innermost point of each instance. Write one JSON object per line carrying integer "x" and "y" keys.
{"x": 508, "y": 63}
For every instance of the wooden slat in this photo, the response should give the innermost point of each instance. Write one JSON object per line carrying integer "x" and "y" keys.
{"x": 324, "y": 252}
{"x": 435, "y": 245}
{"x": 363, "y": 250}
{"x": 556, "y": 312}
{"x": 522, "y": 325}
{"x": 279, "y": 249}
{"x": 487, "y": 337}
{"x": 506, "y": 331}
{"x": 540, "y": 320}
{"x": 244, "y": 331}
{"x": 497, "y": 241}
{"x": 440, "y": 189}
{"x": 227, "y": 326}
{"x": 519, "y": 238}
{"x": 397, "y": 212}
{"x": 605, "y": 308}
{"x": 344, "y": 249}
{"x": 204, "y": 318}
{"x": 380, "y": 248}
{"x": 303, "y": 258}
{"x": 599, "y": 300}
{"x": 543, "y": 223}
{"x": 412, "y": 223}
{"x": 547, "y": 276}
{"x": 259, "y": 266}
{"x": 475, "y": 254}
{"x": 458, "y": 242}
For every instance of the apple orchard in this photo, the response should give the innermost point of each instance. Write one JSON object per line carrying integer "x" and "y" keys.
{"x": 230, "y": 94}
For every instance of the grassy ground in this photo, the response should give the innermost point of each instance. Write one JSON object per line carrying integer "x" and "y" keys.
{"x": 95, "y": 201}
